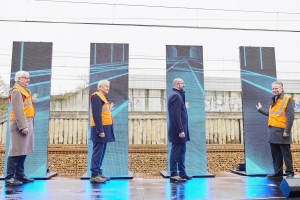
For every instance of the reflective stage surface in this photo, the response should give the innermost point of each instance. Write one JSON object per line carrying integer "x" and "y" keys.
{"x": 234, "y": 187}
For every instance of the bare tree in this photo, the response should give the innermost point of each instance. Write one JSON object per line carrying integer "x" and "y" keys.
{"x": 3, "y": 88}
{"x": 84, "y": 82}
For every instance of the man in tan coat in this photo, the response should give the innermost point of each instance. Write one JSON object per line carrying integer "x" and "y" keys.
{"x": 22, "y": 113}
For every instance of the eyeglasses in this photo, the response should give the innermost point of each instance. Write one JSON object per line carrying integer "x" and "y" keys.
{"x": 27, "y": 78}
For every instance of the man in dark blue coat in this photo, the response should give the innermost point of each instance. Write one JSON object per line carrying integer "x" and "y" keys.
{"x": 178, "y": 131}
{"x": 101, "y": 130}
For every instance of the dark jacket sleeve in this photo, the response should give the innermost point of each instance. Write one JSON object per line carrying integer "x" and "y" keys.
{"x": 97, "y": 113}
{"x": 175, "y": 107}
{"x": 264, "y": 112}
{"x": 290, "y": 114}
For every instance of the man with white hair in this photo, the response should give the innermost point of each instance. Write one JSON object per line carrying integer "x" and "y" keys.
{"x": 101, "y": 122}
{"x": 281, "y": 115}
{"x": 22, "y": 113}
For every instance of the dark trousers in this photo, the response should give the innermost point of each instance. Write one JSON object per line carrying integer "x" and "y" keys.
{"x": 177, "y": 159}
{"x": 282, "y": 152}
{"x": 99, "y": 149}
{"x": 15, "y": 166}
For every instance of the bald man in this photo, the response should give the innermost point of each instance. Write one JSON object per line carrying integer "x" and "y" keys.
{"x": 178, "y": 132}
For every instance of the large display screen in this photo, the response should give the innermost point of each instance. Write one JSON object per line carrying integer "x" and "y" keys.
{"x": 35, "y": 58}
{"x": 258, "y": 72}
{"x": 110, "y": 62}
{"x": 186, "y": 62}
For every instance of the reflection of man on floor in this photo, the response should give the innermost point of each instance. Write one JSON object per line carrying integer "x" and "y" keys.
{"x": 281, "y": 117}
{"x": 101, "y": 129}
{"x": 178, "y": 132}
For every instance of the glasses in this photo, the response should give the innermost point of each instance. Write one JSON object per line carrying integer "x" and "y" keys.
{"x": 27, "y": 78}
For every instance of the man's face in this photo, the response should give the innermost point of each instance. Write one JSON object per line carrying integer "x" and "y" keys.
{"x": 24, "y": 80}
{"x": 180, "y": 85}
{"x": 104, "y": 88}
{"x": 277, "y": 89}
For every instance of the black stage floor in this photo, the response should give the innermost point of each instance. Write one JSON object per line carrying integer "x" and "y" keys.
{"x": 226, "y": 187}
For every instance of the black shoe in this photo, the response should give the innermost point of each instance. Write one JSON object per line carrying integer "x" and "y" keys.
{"x": 24, "y": 179}
{"x": 177, "y": 178}
{"x": 290, "y": 176}
{"x": 274, "y": 175}
{"x": 13, "y": 182}
{"x": 187, "y": 177}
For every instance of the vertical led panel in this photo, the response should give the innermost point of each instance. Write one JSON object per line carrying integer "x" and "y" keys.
{"x": 110, "y": 62}
{"x": 258, "y": 72}
{"x": 35, "y": 58}
{"x": 186, "y": 62}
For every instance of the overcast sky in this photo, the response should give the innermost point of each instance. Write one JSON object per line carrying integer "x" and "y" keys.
{"x": 148, "y": 26}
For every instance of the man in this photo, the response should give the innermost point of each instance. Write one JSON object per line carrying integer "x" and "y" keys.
{"x": 101, "y": 130}
{"x": 178, "y": 132}
{"x": 22, "y": 113}
{"x": 281, "y": 117}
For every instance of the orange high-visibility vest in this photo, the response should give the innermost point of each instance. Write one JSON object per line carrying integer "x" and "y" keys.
{"x": 106, "y": 113}
{"x": 29, "y": 110}
{"x": 277, "y": 112}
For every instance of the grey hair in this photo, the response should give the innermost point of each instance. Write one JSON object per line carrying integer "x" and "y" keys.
{"x": 277, "y": 83}
{"x": 103, "y": 81}
{"x": 175, "y": 81}
{"x": 20, "y": 74}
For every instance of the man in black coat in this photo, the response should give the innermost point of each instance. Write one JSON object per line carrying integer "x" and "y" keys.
{"x": 178, "y": 131}
{"x": 281, "y": 117}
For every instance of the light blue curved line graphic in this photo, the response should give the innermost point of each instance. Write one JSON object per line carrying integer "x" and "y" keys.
{"x": 197, "y": 69}
{"x": 21, "y": 56}
{"x": 108, "y": 64}
{"x": 174, "y": 65}
{"x": 108, "y": 69}
{"x": 197, "y": 81}
{"x": 261, "y": 61}
{"x": 13, "y": 78}
{"x": 40, "y": 83}
{"x": 119, "y": 108}
{"x": 97, "y": 72}
{"x": 110, "y": 78}
{"x": 95, "y": 53}
{"x": 43, "y": 98}
{"x": 197, "y": 61}
{"x": 198, "y": 72}
{"x": 245, "y": 58}
{"x": 245, "y": 72}
{"x": 180, "y": 69}
{"x": 258, "y": 86}
{"x": 36, "y": 71}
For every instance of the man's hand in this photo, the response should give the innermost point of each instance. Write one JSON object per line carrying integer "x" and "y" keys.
{"x": 34, "y": 97}
{"x": 182, "y": 134}
{"x": 285, "y": 134}
{"x": 258, "y": 106}
{"x": 25, "y": 131}
{"x": 112, "y": 106}
{"x": 187, "y": 105}
{"x": 102, "y": 135}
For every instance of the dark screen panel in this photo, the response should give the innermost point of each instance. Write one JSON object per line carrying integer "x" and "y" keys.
{"x": 110, "y": 61}
{"x": 186, "y": 62}
{"x": 258, "y": 72}
{"x": 35, "y": 58}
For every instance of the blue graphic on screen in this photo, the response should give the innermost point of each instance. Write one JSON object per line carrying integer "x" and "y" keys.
{"x": 186, "y": 62}
{"x": 258, "y": 72}
{"x": 35, "y": 58}
{"x": 110, "y": 62}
